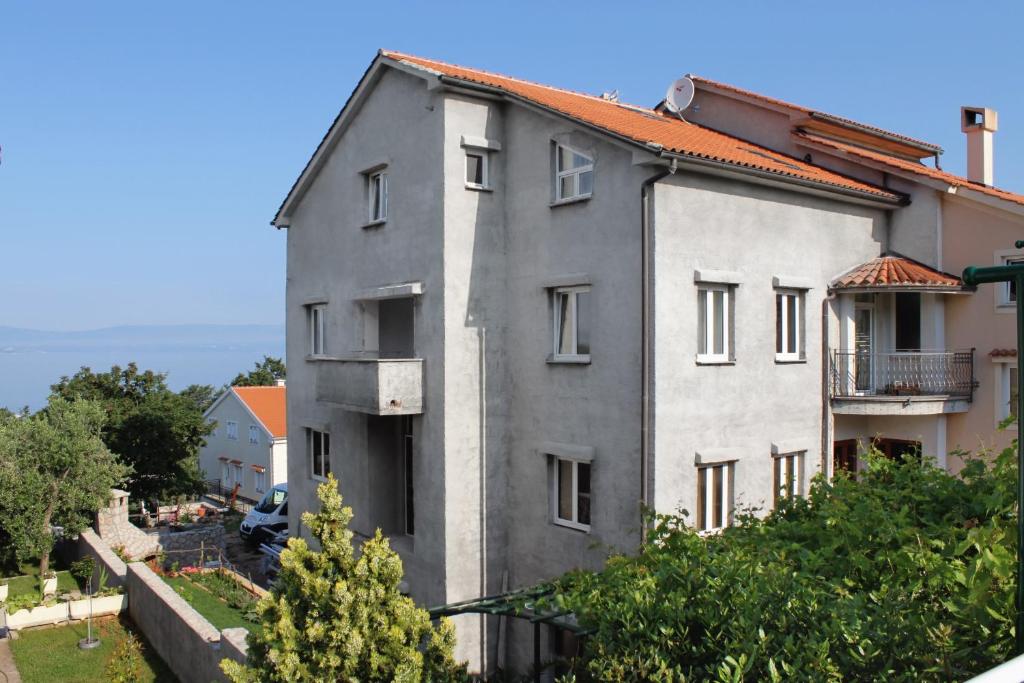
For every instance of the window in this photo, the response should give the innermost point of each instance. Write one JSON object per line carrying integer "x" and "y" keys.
{"x": 572, "y": 493}
{"x": 1006, "y": 403}
{"x": 319, "y": 446}
{"x": 259, "y": 480}
{"x": 238, "y": 478}
{"x": 233, "y": 431}
{"x": 1008, "y": 290}
{"x": 316, "y": 329}
{"x": 572, "y": 322}
{"x": 477, "y": 162}
{"x": 714, "y": 494}
{"x": 574, "y": 174}
{"x": 907, "y": 316}
{"x": 789, "y": 325}
{"x": 378, "y": 196}
{"x": 225, "y": 474}
{"x": 407, "y": 454}
{"x": 254, "y": 434}
{"x": 713, "y": 322}
{"x": 787, "y": 475}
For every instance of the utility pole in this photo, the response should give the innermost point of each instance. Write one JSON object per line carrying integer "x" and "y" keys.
{"x": 973, "y": 276}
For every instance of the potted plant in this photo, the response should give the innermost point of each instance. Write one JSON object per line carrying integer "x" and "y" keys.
{"x": 49, "y": 583}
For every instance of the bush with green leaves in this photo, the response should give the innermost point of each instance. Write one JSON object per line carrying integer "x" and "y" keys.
{"x": 905, "y": 573}
{"x": 333, "y": 617}
{"x": 124, "y": 665}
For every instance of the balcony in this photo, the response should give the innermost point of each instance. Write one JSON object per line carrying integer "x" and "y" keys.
{"x": 377, "y": 386}
{"x": 901, "y": 383}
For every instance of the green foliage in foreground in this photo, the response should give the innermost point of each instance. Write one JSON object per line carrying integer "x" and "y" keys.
{"x": 905, "y": 574}
{"x": 265, "y": 374}
{"x": 332, "y": 617}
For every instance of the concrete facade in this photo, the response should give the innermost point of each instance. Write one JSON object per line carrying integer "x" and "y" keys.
{"x": 457, "y": 282}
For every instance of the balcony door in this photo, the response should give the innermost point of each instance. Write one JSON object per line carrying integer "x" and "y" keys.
{"x": 864, "y": 343}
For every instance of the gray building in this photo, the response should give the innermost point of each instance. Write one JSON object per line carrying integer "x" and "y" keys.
{"x": 517, "y": 314}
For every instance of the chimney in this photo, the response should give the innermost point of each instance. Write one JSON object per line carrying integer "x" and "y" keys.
{"x": 279, "y": 382}
{"x": 979, "y": 123}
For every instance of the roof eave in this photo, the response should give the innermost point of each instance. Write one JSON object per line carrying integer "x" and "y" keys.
{"x": 927, "y": 148}
{"x": 923, "y": 289}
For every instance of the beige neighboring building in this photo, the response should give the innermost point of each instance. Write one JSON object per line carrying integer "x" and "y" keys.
{"x": 249, "y": 444}
{"x": 517, "y": 313}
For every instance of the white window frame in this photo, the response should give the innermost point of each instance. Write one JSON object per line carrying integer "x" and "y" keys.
{"x": 572, "y": 312}
{"x": 709, "y": 315}
{"x": 254, "y": 434}
{"x": 232, "y": 430}
{"x": 325, "y": 458}
{"x": 782, "y": 319}
{"x": 1005, "y": 370}
{"x": 317, "y": 314}
{"x": 785, "y": 465}
{"x": 485, "y": 170}
{"x": 574, "y": 522}
{"x": 225, "y": 473}
{"x": 575, "y": 172}
{"x": 707, "y": 471}
{"x": 259, "y": 481}
{"x": 238, "y": 474}
{"x": 377, "y": 196}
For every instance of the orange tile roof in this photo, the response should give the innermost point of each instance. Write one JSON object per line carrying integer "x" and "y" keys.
{"x": 644, "y": 126}
{"x": 911, "y": 166}
{"x": 895, "y": 271}
{"x": 812, "y": 112}
{"x": 1003, "y": 353}
{"x": 269, "y": 405}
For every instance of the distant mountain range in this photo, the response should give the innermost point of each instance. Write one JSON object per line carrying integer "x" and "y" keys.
{"x": 145, "y": 338}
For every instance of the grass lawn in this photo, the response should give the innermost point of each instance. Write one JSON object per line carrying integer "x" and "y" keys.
{"x": 216, "y": 611}
{"x": 29, "y": 583}
{"x": 43, "y": 655}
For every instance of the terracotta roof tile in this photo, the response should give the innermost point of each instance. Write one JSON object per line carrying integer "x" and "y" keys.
{"x": 1003, "y": 353}
{"x": 644, "y": 126}
{"x": 895, "y": 271}
{"x": 912, "y": 166}
{"x": 810, "y": 112}
{"x": 269, "y": 405}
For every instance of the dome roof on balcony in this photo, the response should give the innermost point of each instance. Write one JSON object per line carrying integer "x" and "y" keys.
{"x": 894, "y": 272}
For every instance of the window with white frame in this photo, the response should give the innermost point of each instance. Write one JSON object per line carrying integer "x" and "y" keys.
{"x": 787, "y": 475}
{"x": 232, "y": 429}
{"x": 1006, "y": 399}
{"x": 318, "y": 444}
{"x": 571, "y": 323}
{"x": 238, "y": 477}
{"x": 225, "y": 474}
{"x": 316, "y": 315}
{"x": 477, "y": 169}
{"x": 714, "y": 496}
{"x": 259, "y": 477}
{"x": 571, "y": 493}
{"x": 254, "y": 434}
{"x": 714, "y": 320}
{"x": 789, "y": 325}
{"x": 574, "y": 174}
{"x": 377, "y": 184}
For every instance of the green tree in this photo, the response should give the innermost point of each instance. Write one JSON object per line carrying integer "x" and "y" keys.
{"x": 54, "y": 470}
{"x": 265, "y": 374}
{"x": 155, "y": 430}
{"x": 905, "y": 573}
{"x": 202, "y": 395}
{"x": 332, "y": 617}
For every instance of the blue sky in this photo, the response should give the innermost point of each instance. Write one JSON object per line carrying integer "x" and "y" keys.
{"x": 147, "y": 145}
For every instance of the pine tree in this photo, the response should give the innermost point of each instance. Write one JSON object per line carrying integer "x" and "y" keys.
{"x": 334, "y": 617}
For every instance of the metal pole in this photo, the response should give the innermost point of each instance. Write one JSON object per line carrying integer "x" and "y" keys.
{"x": 1019, "y": 624}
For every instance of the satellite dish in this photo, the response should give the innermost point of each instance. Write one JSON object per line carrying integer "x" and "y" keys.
{"x": 679, "y": 96}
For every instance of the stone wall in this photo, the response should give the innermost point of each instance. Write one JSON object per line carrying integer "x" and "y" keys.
{"x": 114, "y": 527}
{"x": 91, "y": 544}
{"x": 193, "y": 547}
{"x": 190, "y": 645}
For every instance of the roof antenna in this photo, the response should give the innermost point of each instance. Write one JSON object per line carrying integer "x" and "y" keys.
{"x": 679, "y": 96}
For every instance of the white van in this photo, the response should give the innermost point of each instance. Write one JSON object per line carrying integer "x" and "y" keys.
{"x": 267, "y": 518}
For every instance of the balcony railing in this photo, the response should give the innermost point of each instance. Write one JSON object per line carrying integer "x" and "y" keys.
{"x": 905, "y": 373}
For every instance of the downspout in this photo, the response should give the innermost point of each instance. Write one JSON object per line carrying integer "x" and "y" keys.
{"x": 645, "y": 338}
{"x": 826, "y": 391}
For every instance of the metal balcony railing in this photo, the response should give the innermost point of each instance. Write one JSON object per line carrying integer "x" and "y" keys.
{"x": 902, "y": 373}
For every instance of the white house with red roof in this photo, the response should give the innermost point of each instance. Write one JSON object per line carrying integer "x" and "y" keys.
{"x": 518, "y": 314}
{"x": 249, "y": 445}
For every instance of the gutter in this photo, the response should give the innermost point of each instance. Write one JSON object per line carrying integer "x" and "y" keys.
{"x": 645, "y": 340}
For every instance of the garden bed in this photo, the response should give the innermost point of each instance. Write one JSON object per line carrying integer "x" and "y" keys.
{"x": 217, "y": 596}
{"x": 51, "y": 654}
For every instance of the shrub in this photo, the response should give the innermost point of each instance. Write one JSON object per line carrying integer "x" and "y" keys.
{"x": 82, "y": 569}
{"x": 906, "y": 573}
{"x": 125, "y": 662}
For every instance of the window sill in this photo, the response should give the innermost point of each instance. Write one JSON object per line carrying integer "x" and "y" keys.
{"x": 317, "y": 478}
{"x": 314, "y": 357}
{"x": 714, "y": 361}
{"x": 565, "y": 524}
{"x": 782, "y": 360}
{"x": 479, "y": 188}
{"x": 571, "y": 200}
{"x": 569, "y": 360}
{"x": 374, "y": 224}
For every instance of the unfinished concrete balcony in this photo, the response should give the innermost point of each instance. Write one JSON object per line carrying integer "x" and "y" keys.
{"x": 375, "y": 386}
